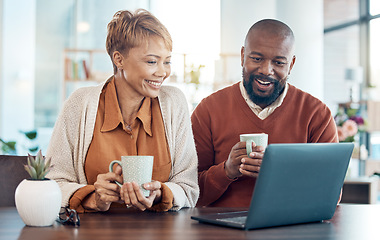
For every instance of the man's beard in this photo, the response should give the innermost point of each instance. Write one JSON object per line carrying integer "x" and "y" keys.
{"x": 260, "y": 100}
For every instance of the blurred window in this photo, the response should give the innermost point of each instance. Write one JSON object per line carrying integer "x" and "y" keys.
{"x": 374, "y": 7}
{"x": 340, "y": 11}
{"x": 338, "y": 56}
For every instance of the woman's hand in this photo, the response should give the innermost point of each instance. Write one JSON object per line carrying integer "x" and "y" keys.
{"x": 106, "y": 191}
{"x": 132, "y": 195}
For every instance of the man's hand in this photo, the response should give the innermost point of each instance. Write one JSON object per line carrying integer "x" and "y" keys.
{"x": 239, "y": 164}
{"x": 251, "y": 165}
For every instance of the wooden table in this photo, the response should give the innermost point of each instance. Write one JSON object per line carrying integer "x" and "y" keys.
{"x": 349, "y": 222}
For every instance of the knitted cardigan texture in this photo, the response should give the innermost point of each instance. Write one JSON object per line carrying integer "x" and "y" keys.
{"x": 73, "y": 133}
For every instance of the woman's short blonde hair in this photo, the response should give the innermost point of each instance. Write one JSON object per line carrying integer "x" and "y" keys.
{"x": 128, "y": 30}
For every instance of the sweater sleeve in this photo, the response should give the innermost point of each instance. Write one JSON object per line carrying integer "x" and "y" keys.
{"x": 183, "y": 181}
{"x": 213, "y": 181}
{"x": 78, "y": 197}
{"x": 70, "y": 140}
{"x": 322, "y": 127}
{"x": 60, "y": 151}
{"x": 166, "y": 200}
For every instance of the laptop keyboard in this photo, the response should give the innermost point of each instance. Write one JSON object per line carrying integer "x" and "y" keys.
{"x": 239, "y": 220}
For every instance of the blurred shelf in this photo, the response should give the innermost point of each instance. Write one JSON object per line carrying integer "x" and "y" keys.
{"x": 362, "y": 190}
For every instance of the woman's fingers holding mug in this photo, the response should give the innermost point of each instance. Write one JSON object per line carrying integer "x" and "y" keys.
{"x": 117, "y": 175}
{"x": 137, "y": 198}
{"x": 118, "y": 170}
{"x": 125, "y": 192}
{"x": 104, "y": 198}
{"x": 152, "y": 186}
{"x": 106, "y": 181}
{"x": 155, "y": 189}
{"x": 133, "y": 196}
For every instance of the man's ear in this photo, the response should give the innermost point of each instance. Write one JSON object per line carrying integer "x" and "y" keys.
{"x": 292, "y": 64}
{"x": 242, "y": 55}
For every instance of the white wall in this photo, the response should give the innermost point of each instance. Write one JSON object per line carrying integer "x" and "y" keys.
{"x": 238, "y": 16}
{"x": 17, "y": 75}
{"x": 306, "y": 20}
{"x": 236, "y": 19}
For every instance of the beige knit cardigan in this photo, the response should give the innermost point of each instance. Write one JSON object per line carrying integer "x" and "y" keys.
{"x": 73, "y": 133}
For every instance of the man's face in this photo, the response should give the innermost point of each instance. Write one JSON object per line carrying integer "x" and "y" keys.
{"x": 267, "y": 60}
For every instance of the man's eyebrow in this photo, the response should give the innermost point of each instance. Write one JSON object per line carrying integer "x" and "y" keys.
{"x": 281, "y": 57}
{"x": 277, "y": 57}
{"x": 255, "y": 53}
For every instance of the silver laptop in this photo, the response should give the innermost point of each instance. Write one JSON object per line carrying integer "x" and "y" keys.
{"x": 297, "y": 183}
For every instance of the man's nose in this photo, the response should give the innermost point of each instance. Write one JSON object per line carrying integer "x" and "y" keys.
{"x": 266, "y": 68}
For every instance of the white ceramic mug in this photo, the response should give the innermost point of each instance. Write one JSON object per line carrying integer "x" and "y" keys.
{"x": 260, "y": 139}
{"x": 135, "y": 169}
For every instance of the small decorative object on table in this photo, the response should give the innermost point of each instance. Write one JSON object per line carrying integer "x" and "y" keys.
{"x": 38, "y": 199}
{"x": 349, "y": 122}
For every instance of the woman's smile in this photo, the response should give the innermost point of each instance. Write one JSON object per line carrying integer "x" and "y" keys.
{"x": 154, "y": 84}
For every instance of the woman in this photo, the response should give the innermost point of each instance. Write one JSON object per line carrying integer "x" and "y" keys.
{"x": 129, "y": 114}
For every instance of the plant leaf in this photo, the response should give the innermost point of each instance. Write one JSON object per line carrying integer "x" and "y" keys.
{"x": 33, "y": 149}
{"x": 42, "y": 175}
{"x": 27, "y": 168}
{"x": 47, "y": 164}
{"x": 31, "y": 161}
{"x": 38, "y": 166}
{"x": 31, "y": 134}
{"x": 11, "y": 145}
{"x": 8, "y": 147}
{"x": 31, "y": 171}
{"x": 38, "y": 159}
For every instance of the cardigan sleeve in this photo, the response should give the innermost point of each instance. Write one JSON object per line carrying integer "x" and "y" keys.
{"x": 183, "y": 181}
{"x": 70, "y": 140}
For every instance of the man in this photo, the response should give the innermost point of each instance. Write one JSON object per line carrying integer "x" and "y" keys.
{"x": 263, "y": 102}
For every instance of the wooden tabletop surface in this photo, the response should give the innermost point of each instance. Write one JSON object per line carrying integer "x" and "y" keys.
{"x": 349, "y": 222}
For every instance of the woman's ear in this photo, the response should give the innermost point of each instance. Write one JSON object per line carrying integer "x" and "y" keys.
{"x": 118, "y": 59}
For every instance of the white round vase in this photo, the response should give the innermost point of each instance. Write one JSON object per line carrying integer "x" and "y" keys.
{"x": 38, "y": 202}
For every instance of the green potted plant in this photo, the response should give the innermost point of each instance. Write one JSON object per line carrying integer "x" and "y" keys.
{"x": 194, "y": 74}
{"x": 38, "y": 199}
{"x": 8, "y": 147}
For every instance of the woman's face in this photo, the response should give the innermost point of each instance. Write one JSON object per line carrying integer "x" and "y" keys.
{"x": 146, "y": 67}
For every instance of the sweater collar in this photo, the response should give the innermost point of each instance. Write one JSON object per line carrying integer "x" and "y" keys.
{"x": 263, "y": 113}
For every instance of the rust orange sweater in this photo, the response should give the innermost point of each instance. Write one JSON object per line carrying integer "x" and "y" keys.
{"x": 219, "y": 120}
